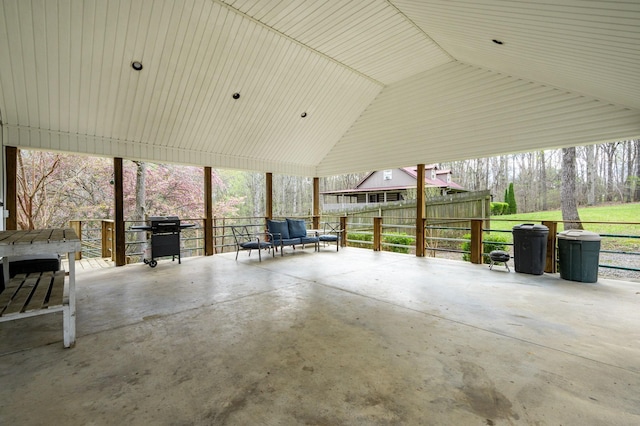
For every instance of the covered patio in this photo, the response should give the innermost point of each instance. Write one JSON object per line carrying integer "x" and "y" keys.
{"x": 327, "y": 338}
{"x": 318, "y": 89}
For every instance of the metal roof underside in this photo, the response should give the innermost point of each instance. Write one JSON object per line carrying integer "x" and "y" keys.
{"x": 383, "y": 83}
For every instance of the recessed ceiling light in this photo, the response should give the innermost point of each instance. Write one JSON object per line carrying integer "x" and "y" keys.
{"x": 236, "y": 95}
{"x": 136, "y": 65}
{"x": 496, "y": 41}
{"x": 303, "y": 115}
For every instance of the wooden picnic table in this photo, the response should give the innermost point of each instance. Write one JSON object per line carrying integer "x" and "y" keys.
{"x": 44, "y": 241}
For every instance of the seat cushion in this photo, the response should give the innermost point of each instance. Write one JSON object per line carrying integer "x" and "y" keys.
{"x": 289, "y": 242}
{"x": 278, "y": 227}
{"x": 255, "y": 245}
{"x": 297, "y": 228}
{"x": 328, "y": 237}
{"x": 309, "y": 240}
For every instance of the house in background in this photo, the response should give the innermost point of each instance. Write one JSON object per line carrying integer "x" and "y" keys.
{"x": 390, "y": 185}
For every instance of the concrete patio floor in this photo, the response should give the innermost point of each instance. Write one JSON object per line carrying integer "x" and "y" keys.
{"x": 349, "y": 338}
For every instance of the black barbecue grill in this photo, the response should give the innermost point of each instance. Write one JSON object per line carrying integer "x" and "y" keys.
{"x": 163, "y": 238}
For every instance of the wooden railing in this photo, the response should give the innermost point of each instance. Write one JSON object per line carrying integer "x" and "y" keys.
{"x": 441, "y": 235}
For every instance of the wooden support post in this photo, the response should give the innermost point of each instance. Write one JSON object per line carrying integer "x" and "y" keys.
{"x": 118, "y": 191}
{"x": 316, "y": 203}
{"x": 343, "y": 226}
{"x": 377, "y": 233}
{"x": 208, "y": 213}
{"x": 420, "y": 209}
{"x": 268, "y": 193}
{"x": 76, "y": 225}
{"x": 551, "y": 266}
{"x": 11, "y": 197}
{"x": 476, "y": 241}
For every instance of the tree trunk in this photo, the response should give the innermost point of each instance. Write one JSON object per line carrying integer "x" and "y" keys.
{"x": 568, "y": 192}
{"x": 141, "y": 172}
{"x": 610, "y": 150}
{"x": 543, "y": 181}
{"x": 590, "y": 152}
{"x": 637, "y": 174}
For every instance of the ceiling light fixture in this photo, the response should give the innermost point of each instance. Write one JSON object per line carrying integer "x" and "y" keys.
{"x": 496, "y": 41}
{"x": 236, "y": 95}
{"x": 136, "y": 65}
{"x": 303, "y": 115}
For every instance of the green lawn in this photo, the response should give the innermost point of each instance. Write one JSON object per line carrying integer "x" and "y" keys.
{"x": 628, "y": 213}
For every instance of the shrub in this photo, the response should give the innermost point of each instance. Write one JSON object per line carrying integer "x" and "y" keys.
{"x": 498, "y": 208}
{"x": 398, "y": 238}
{"x": 359, "y": 237}
{"x": 490, "y": 242}
{"x": 513, "y": 207}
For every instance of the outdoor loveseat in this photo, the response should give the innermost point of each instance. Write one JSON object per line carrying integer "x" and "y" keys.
{"x": 290, "y": 232}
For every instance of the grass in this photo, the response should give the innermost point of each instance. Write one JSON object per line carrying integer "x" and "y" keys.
{"x": 611, "y": 214}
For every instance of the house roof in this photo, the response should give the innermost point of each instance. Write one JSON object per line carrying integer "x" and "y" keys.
{"x": 438, "y": 182}
{"x": 324, "y": 87}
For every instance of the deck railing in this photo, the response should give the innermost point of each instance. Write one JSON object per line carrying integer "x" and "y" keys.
{"x": 443, "y": 237}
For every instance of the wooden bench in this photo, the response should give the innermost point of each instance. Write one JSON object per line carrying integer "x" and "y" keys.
{"x": 38, "y": 293}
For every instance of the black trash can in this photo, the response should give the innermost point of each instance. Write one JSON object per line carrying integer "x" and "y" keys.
{"x": 530, "y": 248}
{"x": 579, "y": 255}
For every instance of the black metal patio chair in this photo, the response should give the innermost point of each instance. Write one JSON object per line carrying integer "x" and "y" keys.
{"x": 246, "y": 240}
{"x": 331, "y": 232}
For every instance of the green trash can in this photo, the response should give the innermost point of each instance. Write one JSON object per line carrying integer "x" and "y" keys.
{"x": 579, "y": 255}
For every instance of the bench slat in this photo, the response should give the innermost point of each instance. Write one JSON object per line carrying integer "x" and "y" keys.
{"x": 33, "y": 292}
{"x": 20, "y": 298}
{"x": 57, "y": 290}
{"x": 39, "y": 297}
{"x": 7, "y": 294}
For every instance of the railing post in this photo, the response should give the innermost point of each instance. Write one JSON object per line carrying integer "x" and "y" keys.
{"x": 377, "y": 233}
{"x": 76, "y": 225}
{"x": 107, "y": 239}
{"x": 343, "y": 226}
{"x": 424, "y": 237}
{"x": 215, "y": 235}
{"x": 551, "y": 265}
{"x": 476, "y": 241}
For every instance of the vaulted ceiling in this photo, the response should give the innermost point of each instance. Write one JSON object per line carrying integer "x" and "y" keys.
{"x": 325, "y": 87}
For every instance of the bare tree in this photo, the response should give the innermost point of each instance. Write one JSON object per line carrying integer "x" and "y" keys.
{"x": 140, "y": 209}
{"x": 32, "y": 187}
{"x": 590, "y": 152}
{"x": 570, "y": 214}
{"x": 542, "y": 182}
{"x": 636, "y": 180}
{"x": 610, "y": 150}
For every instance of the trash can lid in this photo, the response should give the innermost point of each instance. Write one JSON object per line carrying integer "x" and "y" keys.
{"x": 531, "y": 227}
{"x": 579, "y": 234}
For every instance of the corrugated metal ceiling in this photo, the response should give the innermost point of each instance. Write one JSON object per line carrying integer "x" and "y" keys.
{"x": 382, "y": 83}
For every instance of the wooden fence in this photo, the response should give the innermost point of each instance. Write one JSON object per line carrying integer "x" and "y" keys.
{"x": 471, "y": 204}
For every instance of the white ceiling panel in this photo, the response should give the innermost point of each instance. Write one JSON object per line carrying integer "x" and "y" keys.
{"x": 591, "y": 47}
{"x": 382, "y": 83}
{"x": 372, "y": 37}
{"x": 458, "y": 111}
